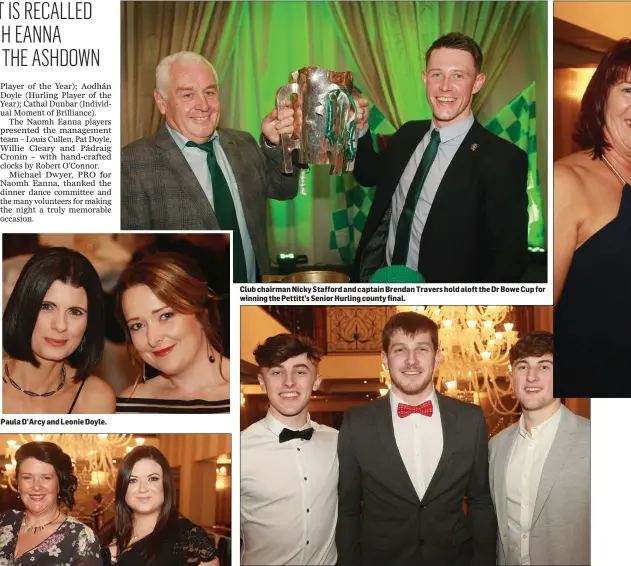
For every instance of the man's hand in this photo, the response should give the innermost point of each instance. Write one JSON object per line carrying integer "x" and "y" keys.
{"x": 362, "y": 111}
{"x": 277, "y": 123}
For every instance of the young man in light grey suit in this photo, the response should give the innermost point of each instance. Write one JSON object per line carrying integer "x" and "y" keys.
{"x": 191, "y": 175}
{"x": 540, "y": 469}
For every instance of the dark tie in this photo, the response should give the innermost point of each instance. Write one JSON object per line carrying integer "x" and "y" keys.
{"x": 404, "y": 225}
{"x": 224, "y": 210}
{"x": 288, "y": 434}
{"x": 426, "y": 409}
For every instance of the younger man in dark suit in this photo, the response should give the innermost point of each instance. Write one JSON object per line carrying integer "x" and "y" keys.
{"x": 408, "y": 460}
{"x": 451, "y": 197}
{"x": 190, "y": 175}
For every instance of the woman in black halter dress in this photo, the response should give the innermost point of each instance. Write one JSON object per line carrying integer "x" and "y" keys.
{"x": 592, "y": 319}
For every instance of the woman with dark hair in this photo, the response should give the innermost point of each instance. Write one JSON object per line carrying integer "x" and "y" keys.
{"x": 592, "y": 238}
{"x": 170, "y": 321}
{"x": 43, "y": 534}
{"x": 147, "y": 530}
{"x": 53, "y": 336}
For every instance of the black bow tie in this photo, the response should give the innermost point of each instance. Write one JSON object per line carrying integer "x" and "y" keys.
{"x": 288, "y": 434}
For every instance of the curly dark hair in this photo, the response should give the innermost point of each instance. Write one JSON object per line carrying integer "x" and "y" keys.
{"x": 536, "y": 344}
{"x": 50, "y": 453}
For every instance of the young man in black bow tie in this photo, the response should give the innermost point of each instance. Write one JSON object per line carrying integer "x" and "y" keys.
{"x": 289, "y": 467}
{"x": 407, "y": 463}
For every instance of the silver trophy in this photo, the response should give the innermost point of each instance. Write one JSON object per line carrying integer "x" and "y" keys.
{"x": 324, "y": 119}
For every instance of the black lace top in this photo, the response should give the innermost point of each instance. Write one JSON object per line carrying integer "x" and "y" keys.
{"x": 185, "y": 544}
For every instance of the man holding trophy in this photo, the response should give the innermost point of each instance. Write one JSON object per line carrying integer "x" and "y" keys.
{"x": 190, "y": 175}
{"x": 451, "y": 199}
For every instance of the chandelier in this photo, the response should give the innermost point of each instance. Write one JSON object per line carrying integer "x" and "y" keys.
{"x": 474, "y": 343}
{"x": 94, "y": 456}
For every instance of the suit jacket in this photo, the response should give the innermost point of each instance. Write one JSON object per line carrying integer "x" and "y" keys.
{"x": 381, "y": 520}
{"x": 560, "y": 529}
{"x": 477, "y": 228}
{"x": 159, "y": 190}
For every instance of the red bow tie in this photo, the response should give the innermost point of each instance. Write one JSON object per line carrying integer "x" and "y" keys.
{"x": 425, "y": 408}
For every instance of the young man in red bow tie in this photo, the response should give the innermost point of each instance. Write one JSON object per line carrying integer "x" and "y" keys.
{"x": 289, "y": 465}
{"x": 407, "y": 463}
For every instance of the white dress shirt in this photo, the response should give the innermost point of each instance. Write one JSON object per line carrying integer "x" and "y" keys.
{"x": 525, "y": 465}
{"x": 288, "y": 495}
{"x": 450, "y": 139}
{"x": 197, "y": 159}
{"x": 420, "y": 442}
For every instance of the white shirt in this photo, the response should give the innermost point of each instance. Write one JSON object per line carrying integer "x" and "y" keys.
{"x": 525, "y": 465}
{"x": 197, "y": 159}
{"x": 288, "y": 495}
{"x": 450, "y": 139}
{"x": 420, "y": 442}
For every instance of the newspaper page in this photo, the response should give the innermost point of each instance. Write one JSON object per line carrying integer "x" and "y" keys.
{"x": 353, "y": 203}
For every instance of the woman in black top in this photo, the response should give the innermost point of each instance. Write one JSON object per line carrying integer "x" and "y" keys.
{"x": 147, "y": 530}
{"x": 592, "y": 240}
{"x": 53, "y": 337}
{"x": 170, "y": 321}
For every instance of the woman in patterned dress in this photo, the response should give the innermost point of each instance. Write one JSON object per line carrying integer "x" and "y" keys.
{"x": 44, "y": 534}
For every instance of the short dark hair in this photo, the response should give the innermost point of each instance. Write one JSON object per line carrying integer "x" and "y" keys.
{"x": 457, "y": 40}
{"x": 613, "y": 68}
{"x": 98, "y": 498}
{"x": 537, "y": 344}
{"x": 410, "y": 323}
{"x": 50, "y": 453}
{"x": 40, "y": 272}
{"x": 123, "y": 515}
{"x": 278, "y": 349}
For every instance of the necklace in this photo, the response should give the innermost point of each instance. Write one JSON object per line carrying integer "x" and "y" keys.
{"x": 32, "y": 393}
{"x": 36, "y": 529}
{"x": 614, "y": 170}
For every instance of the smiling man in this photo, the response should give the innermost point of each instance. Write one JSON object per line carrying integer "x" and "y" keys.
{"x": 540, "y": 468}
{"x": 193, "y": 175}
{"x": 451, "y": 197}
{"x": 407, "y": 462}
{"x": 289, "y": 466}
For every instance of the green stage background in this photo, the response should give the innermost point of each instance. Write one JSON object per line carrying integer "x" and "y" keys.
{"x": 255, "y": 45}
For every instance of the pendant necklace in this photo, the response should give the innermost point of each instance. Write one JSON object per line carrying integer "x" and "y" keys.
{"x": 7, "y": 376}
{"x": 36, "y": 529}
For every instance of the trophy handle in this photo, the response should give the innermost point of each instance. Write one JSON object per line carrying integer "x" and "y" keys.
{"x": 288, "y": 143}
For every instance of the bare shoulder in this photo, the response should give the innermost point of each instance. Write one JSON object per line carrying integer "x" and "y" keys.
{"x": 225, "y": 368}
{"x": 574, "y": 175}
{"x": 96, "y": 397}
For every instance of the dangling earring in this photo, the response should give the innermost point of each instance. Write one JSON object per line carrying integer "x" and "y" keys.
{"x": 211, "y": 358}
{"x": 19, "y": 496}
{"x": 144, "y": 373}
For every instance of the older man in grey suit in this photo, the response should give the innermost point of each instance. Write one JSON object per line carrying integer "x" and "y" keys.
{"x": 191, "y": 175}
{"x": 540, "y": 469}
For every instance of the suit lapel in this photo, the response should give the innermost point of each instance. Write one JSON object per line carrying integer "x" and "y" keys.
{"x": 175, "y": 161}
{"x": 458, "y": 176}
{"x": 390, "y": 451}
{"x": 499, "y": 479}
{"x": 448, "y": 421}
{"x": 559, "y": 451}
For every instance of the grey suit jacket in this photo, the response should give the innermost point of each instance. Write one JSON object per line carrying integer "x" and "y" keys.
{"x": 561, "y": 518}
{"x": 159, "y": 190}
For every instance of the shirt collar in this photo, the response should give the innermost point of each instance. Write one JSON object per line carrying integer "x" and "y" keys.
{"x": 181, "y": 140}
{"x": 394, "y": 400}
{"x": 276, "y": 427}
{"x": 448, "y": 133}
{"x": 536, "y": 431}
